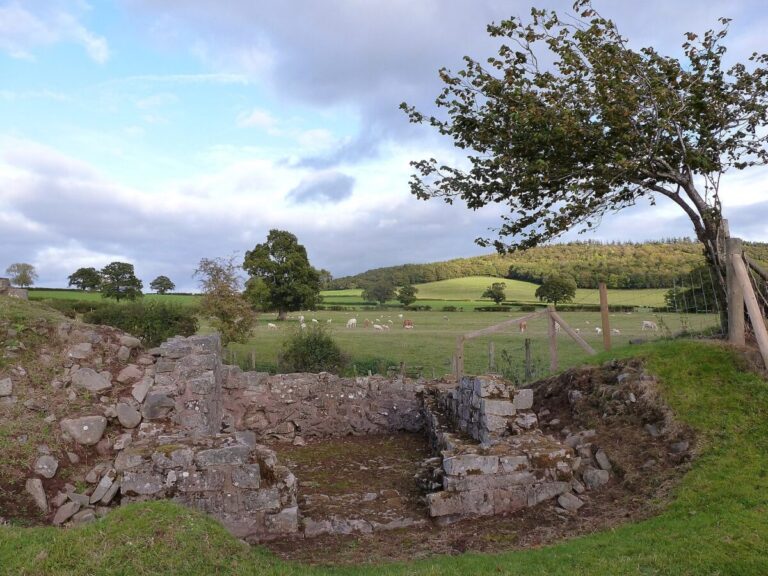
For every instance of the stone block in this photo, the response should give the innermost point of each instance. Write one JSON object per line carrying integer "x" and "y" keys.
{"x": 284, "y": 522}
{"x": 204, "y": 481}
{"x": 497, "y": 407}
{"x": 464, "y": 464}
{"x": 157, "y": 406}
{"x": 264, "y": 499}
{"x": 130, "y": 373}
{"x": 204, "y": 384}
{"x": 545, "y": 491}
{"x": 140, "y": 389}
{"x": 487, "y": 481}
{"x": 570, "y": 501}
{"x": 513, "y": 463}
{"x": 34, "y": 487}
{"x": 594, "y": 478}
{"x": 523, "y": 399}
{"x": 90, "y": 380}
{"x": 141, "y": 484}
{"x": 126, "y": 460}
{"x": 249, "y": 476}
{"x": 6, "y": 387}
{"x": 509, "y": 499}
{"x": 237, "y": 454}
{"x": 87, "y": 430}
{"x": 129, "y": 341}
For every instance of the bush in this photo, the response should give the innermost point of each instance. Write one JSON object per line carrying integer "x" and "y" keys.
{"x": 311, "y": 350}
{"x": 527, "y": 308}
{"x": 450, "y": 308}
{"x": 71, "y": 308}
{"x": 493, "y": 309}
{"x": 152, "y": 322}
{"x": 420, "y": 308}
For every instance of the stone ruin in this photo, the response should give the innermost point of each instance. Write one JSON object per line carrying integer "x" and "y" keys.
{"x": 178, "y": 424}
{"x": 7, "y": 290}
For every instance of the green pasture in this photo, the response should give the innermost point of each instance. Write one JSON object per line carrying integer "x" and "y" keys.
{"x": 42, "y": 294}
{"x": 467, "y": 291}
{"x": 429, "y": 346}
{"x": 714, "y": 525}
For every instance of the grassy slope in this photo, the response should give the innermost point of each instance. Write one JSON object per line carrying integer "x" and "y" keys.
{"x": 43, "y": 294}
{"x": 716, "y": 524}
{"x": 471, "y": 287}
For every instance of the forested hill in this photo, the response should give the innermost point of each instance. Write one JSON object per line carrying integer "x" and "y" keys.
{"x": 620, "y": 265}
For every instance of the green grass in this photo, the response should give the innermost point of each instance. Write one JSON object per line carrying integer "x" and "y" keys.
{"x": 468, "y": 290}
{"x": 42, "y": 294}
{"x": 430, "y": 345}
{"x": 716, "y": 524}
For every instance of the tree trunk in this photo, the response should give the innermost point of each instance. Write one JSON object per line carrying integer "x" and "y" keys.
{"x": 282, "y": 314}
{"x": 715, "y": 257}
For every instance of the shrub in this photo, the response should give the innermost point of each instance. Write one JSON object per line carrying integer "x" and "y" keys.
{"x": 152, "y": 322}
{"x": 493, "y": 309}
{"x": 311, "y": 350}
{"x": 71, "y": 308}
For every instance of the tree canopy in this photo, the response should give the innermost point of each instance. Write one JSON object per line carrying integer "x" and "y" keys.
{"x": 599, "y": 129}
{"x": 162, "y": 284}
{"x": 379, "y": 292}
{"x": 557, "y": 289}
{"x": 222, "y": 301}
{"x": 406, "y": 295}
{"x": 22, "y": 274}
{"x": 118, "y": 281}
{"x": 282, "y": 263}
{"x": 85, "y": 279}
{"x": 495, "y": 292}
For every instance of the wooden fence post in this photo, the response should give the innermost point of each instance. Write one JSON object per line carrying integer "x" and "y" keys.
{"x": 606, "y": 323}
{"x": 736, "y": 325}
{"x": 528, "y": 362}
{"x": 552, "y": 340}
{"x": 491, "y": 357}
{"x": 755, "y": 314}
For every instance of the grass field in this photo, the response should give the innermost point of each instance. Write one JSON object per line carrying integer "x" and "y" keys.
{"x": 42, "y": 294}
{"x": 430, "y": 345}
{"x": 715, "y": 525}
{"x": 467, "y": 291}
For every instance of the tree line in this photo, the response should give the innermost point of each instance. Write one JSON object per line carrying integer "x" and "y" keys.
{"x": 618, "y": 264}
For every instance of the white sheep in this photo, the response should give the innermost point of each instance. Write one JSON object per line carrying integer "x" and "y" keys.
{"x": 400, "y": 316}
{"x": 352, "y": 323}
{"x": 649, "y": 325}
{"x": 301, "y": 319}
{"x": 378, "y": 327}
{"x": 303, "y": 326}
{"x": 329, "y": 321}
{"x": 272, "y": 326}
{"x": 598, "y": 330}
{"x": 616, "y": 331}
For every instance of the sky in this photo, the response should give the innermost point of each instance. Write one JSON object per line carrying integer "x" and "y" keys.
{"x": 161, "y": 132}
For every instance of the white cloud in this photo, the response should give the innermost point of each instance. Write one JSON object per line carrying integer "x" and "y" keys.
{"x": 25, "y": 27}
{"x": 258, "y": 118}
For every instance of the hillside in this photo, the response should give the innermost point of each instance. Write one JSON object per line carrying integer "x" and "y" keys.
{"x": 620, "y": 265}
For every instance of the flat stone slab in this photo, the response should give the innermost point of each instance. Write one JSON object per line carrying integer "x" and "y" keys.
{"x": 46, "y": 466}
{"x": 87, "y": 430}
{"x": 6, "y": 387}
{"x": 90, "y": 380}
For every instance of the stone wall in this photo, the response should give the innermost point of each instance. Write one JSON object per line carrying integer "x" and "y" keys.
{"x": 493, "y": 459}
{"x": 290, "y": 406}
{"x": 7, "y": 290}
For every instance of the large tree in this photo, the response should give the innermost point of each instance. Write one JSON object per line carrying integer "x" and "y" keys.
{"x": 557, "y": 288}
{"x": 118, "y": 281}
{"x": 162, "y": 284}
{"x": 282, "y": 263}
{"x": 22, "y": 274}
{"x": 380, "y": 291}
{"x": 495, "y": 292}
{"x": 568, "y": 123}
{"x": 406, "y": 295}
{"x": 85, "y": 279}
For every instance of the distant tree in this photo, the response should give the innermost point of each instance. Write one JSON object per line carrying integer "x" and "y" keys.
{"x": 85, "y": 279}
{"x": 407, "y": 294}
{"x": 282, "y": 263}
{"x": 380, "y": 292}
{"x": 118, "y": 281}
{"x": 556, "y": 289}
{"x": 569, "y": 121}
{"x": 495, "y": 292}
{"x": 162, "y": 284}
{"x": 230, "y": 313}
{"x": 22, "y": 274}
{"x": 326, "y": 279}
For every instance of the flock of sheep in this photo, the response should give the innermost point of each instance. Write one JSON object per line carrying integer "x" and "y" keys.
{"x": 377, "y": 324}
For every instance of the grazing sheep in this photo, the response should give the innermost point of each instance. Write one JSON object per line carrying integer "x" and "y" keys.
{"x": 367, "y": 323}
{"x": 303, "y": 326}
{"x": 648, "y": 325}
{"x": 407, "y": 324}
{"x": 301, "y": 319}
{"x": 272, "y": 326}
{"x": 385, "y": 326}
{"x": 523, "y": 327}
{"x": 329, "y": 321}
{"x": 578, "y": 330}
{"x": 352, "y": 323}
{"x": 378, "y": 327}
{"x": 390, "y": 322}
{"x": 314, "y": 320}
{"x": 400, "y": 316}
{"x": 616, "y": 331}
{"x": 598, "y": 330}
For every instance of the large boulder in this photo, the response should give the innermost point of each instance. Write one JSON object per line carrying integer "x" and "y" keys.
{"x": 90, "y": 380}
{"x": 87, "y": 430}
